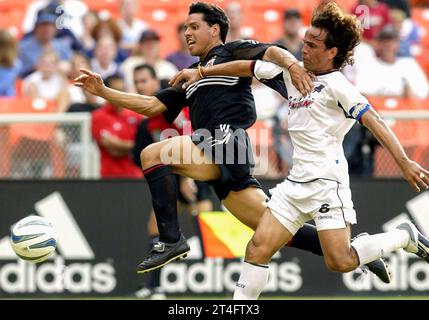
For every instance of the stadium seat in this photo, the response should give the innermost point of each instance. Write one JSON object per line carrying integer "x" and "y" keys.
{"x": 410, "y": 132}
{"x": 14, "y": 137}
{"x": 413, "y": 135}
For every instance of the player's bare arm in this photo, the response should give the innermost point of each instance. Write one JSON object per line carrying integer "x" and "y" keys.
{"x": 239, "y": 68}
{"x": 301, "y": 78}
{"x": 93, "y": 83}
{"x": 412, "y": 171}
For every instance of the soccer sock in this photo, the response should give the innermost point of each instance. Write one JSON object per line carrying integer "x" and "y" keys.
{"x": 155, "y": 275}
{"x": 307, "y": 239}
{"x": 253, "y": 279}
{"x": 372, "y": 247}
{"x": 163, "y": 187}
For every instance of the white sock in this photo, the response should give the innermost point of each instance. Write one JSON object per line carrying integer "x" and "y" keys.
{"x": 253, "y": 279}
{"x": 370, "y": 248}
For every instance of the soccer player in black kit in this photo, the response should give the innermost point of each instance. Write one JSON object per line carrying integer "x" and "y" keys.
{"x": 218, "y": 151}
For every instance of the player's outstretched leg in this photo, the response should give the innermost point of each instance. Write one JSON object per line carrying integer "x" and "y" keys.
{"x": 160, "y": 175}
{"x": 379, "y": 267}
{"x": 418, "y": 244}
{"x": 307, "y": 239}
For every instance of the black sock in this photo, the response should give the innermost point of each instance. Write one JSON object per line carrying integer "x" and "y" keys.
{"x": 154, "y": 276}
{"x": 307, "y": 239}
{"x": 163, "y": 187}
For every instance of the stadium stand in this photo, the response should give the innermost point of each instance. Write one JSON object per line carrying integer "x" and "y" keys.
{"x": 15, "y": 138}
{"x": 413, "y": 134}
{"x": 263, "y": 18}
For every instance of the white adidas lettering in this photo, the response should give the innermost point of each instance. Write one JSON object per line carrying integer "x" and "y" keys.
{"x": 22, "y": 277}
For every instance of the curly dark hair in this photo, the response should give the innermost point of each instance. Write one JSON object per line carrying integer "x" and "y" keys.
{"x": 343, "y": 31}
{"x": 212, "y": 14}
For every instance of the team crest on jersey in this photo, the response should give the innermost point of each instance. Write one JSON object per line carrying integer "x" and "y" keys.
{"x": 211, "y": 62}
{"x": 319, "y": 88}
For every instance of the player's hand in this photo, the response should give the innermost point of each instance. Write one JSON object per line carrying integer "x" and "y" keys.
{"x": 188, "y": 189}
{"x": 415, "y": 175}
{"x": 91, "y": 82}
{"x": 302, "y": 79}
{"x": 185, "y": 78}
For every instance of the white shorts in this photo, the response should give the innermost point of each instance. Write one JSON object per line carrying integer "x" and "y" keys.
{"x": 327, "y": 202}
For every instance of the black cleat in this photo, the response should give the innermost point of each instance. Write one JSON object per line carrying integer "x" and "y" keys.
{"x": 378, "y": 267}
{"x": 418, "y": 244}
{"x": 163, "y": 253}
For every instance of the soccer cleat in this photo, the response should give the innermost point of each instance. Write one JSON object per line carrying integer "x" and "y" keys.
{"x": 163, "y": 253}
{"x": 379, "y": 267}
{"x": 418, "y": 243}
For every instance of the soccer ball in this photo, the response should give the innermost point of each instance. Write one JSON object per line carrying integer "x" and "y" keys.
{"x": 33, "y": 239}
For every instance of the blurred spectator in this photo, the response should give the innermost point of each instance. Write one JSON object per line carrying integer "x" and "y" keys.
{"x": 150, "y": 129}
{"x": 62, "y": 24}
{"x": 103, "y": 61}
{"x": 70, "y": 12}
{"x": 359, "y": 147}
{"x": 181, "y": 58}
{"x": 148, "y": 53}
{"x": 292, "y": 39}
{"x": 391, "y": 75}
{"x": 373, "y": 16}
{"x": 109, "y": 28}
{"x": 131, "y": 27}
{"x": 408, "y": 30}
{"x": 402, "y": 5}
{"x": 364, "y": 58}
{"x": 42, "y": 38}
{"x": 114, "y": 129}
{"x": 235, "y": 15}
{"x": 10, "y": 66}
{"x": 77, "y": 62}
{"x": 269, "y": 109}
{"x": 79, "y": 97}
{"x": 47, "y": 82}
{"x": 90, "y": 20}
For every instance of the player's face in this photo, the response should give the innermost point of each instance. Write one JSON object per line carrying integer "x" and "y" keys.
{"x": 315, "y": 55}
{"x": 200, "y": 37}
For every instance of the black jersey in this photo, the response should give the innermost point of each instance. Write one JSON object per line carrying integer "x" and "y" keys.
{"x": 217, "y": 100}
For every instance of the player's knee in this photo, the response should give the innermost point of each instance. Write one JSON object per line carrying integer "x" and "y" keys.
{"x": 258, "y": 252}
{"x": 149, "y": 156}
{"x": 339, "y": 264}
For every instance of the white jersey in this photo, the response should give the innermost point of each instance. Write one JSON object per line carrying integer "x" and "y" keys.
{"x": 318, "y": 122}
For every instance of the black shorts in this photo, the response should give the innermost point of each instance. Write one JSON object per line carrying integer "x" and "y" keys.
{"x": 231, "y": 150}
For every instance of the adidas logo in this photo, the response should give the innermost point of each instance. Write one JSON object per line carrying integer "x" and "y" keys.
{"x": 408, "y": 271}
{"x": 55, "y": 275}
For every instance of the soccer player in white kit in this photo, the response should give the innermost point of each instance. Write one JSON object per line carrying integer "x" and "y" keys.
{"x": 317, "y": 186}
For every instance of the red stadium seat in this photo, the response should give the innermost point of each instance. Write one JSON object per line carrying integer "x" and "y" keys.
{"x": 413, "y": 135}
{"x": 410, "y": 132}
{"x": 14, "y": 136}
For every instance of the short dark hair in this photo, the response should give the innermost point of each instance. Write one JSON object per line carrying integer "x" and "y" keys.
{"x": 343, "y": 31}
{"x": 291, "y": 13}
{"x": 147, "y": 67}
{"x": 108, "y": 80}
{"x": 212, "y": 14}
